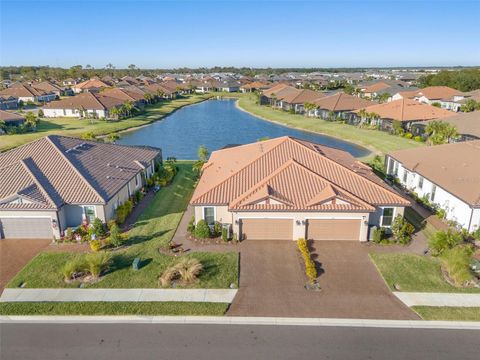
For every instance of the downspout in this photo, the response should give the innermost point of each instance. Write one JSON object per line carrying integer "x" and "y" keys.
{"x": 470, "y": 222}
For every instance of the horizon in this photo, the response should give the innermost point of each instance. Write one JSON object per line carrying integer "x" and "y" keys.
{"x": 262, "y": 34}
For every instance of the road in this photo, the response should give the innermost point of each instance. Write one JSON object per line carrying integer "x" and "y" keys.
{"x": 169, "y": 341}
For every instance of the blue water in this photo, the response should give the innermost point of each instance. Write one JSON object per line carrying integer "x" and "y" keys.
{"x": 215, "y": 124}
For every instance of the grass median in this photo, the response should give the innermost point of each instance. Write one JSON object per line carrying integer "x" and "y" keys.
{"x": 447, "y": 313}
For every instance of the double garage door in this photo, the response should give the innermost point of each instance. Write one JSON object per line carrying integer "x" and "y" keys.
{"x": 316, "y": 229}
{"x": 25, "y": 228}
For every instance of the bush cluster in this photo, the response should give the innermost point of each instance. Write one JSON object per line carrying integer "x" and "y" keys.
{"x": 444, "y": 240}
{"x": 402, "y": 230}
{"x": 202, "y": 230}
{"x": 310, "y": 269}
{"x": 93, "y": 264}
{"x": 378, "y": 234}
{"x": 123, "y": 211}
{"x": 457, "y": 263}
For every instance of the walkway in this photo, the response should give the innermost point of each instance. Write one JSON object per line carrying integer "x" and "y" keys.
{"x": 438, "y": 299}
{"x": 117, "y": 295}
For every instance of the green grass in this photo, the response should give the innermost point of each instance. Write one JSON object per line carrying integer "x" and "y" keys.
{"x": 154, "y": 229}
{"x": 116, "y": 308}
{"x": 419, "y": 222}
{"x": 378, "y": 141}
{"x": 448, "y": 313}
{"x": 76, "y": 127}
{"x": 414, "y": 273}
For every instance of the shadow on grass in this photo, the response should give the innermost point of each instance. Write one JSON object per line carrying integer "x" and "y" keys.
{"x": 137, "y": 239}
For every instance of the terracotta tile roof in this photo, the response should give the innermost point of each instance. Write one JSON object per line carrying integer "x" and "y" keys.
{"x": 46, "y": 86}
{"x": 453, "y": 167}
{"x": 255, "y": 85}
{"x": 10, "y": 117}
{"x": 302, "y": 96}
{"x": 87, "y": 101}
{"x": 407, "y": 110}
{"x": 122, "y": 94}
{"x": 92, "y": 83}
{"x": 342, "y": 102}
{"x": 22, "y": 90}
{"x": 287, "y": 168}
{"x": 438, "y": 92}
{"x": 275, "y": 88}
{"x": 70, "y": 170}
{"x": 375, "y": 87}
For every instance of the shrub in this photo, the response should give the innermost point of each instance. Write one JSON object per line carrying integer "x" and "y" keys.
{"x": 418, "y": 138}
{"x": 95, "y": 245}
{"x": 110, "y": 224}
{"x": 457, "y": 263}
{"x": 97, "y": 263}
{"x": 187, "y": 270}
{"x": 441, "y": 213}
{"x": 123, "y": 211}
{"x": 310, "y": 269}
{"x": 73, "y": 269}
{"x": 69, "y": 234}
{"x": 402, "y": 230}
{"x": 378, "y": 235}
{"x": 115, "y": 236}
{"x": 98, "y": 228}
{"x": 225, "y": 234}
{"x": 202, "y": 230}
{"x": 217, "y": 229}
{"x": 409, "y": 135}
{"x": 444, "y": 240}
{"x": 191, "y": 225}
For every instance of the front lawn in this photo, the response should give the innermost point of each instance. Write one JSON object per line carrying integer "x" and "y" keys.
{"x": 76, "y": 127}
{"x": 378, "y": 141}
{"x": 448, "y": 313}
{"x": 114, "y": 308}
{"x": 414, "y": 273}
{"x": 154, "y": 229}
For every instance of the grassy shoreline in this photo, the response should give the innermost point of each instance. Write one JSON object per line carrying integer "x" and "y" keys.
{"x": 377, "y": 142}
{"x": 76, "y": 127}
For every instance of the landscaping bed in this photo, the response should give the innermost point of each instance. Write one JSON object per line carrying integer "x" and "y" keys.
{"x": 414, "y": 273}
{"x": 447, "y": 313}
{"x": 114, "y": 308}
{"x": 153, "y": 231}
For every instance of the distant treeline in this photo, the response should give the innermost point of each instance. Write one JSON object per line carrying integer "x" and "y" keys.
{"x": 463, "y": 80}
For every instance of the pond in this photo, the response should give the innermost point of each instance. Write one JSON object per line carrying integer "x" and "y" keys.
{"x": 215, "y": 124}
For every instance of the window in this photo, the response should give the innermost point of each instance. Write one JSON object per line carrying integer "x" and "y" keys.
{"x": 209, "y": 215}
{"x": 89, "y": 213}
{"x": 405, "y": 176}
{"x": 387, "y": 216}
{"x": 420, "y": 182}
{"x": 395, "y": 168}
{"x": 432, "y": 195}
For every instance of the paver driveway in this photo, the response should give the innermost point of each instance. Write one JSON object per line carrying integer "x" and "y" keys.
{"x": 271, "y": 283}
{"x": 15, "y": 254}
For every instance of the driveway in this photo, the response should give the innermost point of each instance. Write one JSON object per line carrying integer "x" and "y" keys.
{"x": 272, "y": 279}
{"x": 15, "y": 254}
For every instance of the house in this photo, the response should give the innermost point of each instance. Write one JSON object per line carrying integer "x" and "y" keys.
{"x": 26, "y": 93}
{"x": 254, "y": 86}
{"x": 10, "y": 119}
{"x": 83, "y": 105}
{"x": 8, "y": 102}
{"x": 445, "y": 96}
{"x": 57, "y": 182}
{"x": 91, "y": 85}
{"x": 407, "y": 111}
{"x": 272, "y": 95}
{"x": 48, "y": 86}
{"x": 445, "y": 175}
{"x": 126, "y": 95}
{"x": 339, "y": 106}
{"x": 286, "y": 189}
{"x": 296, "y": 100}
{"x": 467, "y": 125}
{"x": 162, "y": 91}
{"x": 70, "y": 82}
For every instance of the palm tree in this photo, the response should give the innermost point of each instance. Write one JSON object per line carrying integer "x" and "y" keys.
{"x": 127, "y": 107}
{"x": 440, "y": 132}
{"x": 114, "y": 112}
{"x": 148, "y": 97}
{"x": 309, "y": 107}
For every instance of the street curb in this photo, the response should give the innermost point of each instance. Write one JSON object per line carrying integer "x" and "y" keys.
{"x": 218, "y": 320}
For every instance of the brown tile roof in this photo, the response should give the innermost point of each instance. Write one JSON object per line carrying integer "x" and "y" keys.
{"x": 407, "y": 110}
{"x": 46, "y": 86}
{"x": 453, "y": 167}
{"x": 342, "y": 102}
{"x": 9, "y": 116}
{"x": 87, "y": 101}
{"x": 275, "y": 88}
{"x": 255, "y": 85}
{"x": 302, "y": 96}
{"x": 91, "y": 83}
{"x": 294, "y": 173}
{"x": 122, "y": 94}
{"x": 438, "y": 92}
{"x": 375, "y": 87}
{"x": 22, "y": 90}
{"x": 70, "y": 170}
{"x": 466, "y": 123}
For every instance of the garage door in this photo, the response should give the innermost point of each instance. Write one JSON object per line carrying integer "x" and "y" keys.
{"x": 26, "y": 228}
{"x": 267, "y": 229}
{"x": 333, "y": 229}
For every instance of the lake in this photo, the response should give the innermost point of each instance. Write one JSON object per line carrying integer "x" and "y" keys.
{"x": 215, "y": 124}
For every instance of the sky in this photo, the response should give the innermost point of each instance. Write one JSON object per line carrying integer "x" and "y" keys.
{"x": 172, "y": 34}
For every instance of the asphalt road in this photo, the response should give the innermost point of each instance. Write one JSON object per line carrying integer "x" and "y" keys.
{"x": 163, "y": 341}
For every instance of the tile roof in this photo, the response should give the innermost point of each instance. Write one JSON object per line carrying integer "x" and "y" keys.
{"x": 87, "y": 101}
{"x": 438, "y": 92}
{"x": 453, "y": 167}
{"x": 91, "y": 83}
{"x": 122, "y": 94}
{"x": 70, "y": 170}
{"x": 407, "y": 110}
{"x": 22, "y": 90}
{"x": 10, "y": 116}
{"x": 293, "y": 172}
{"x": 466, "y": 123}
{"x": 302, "y": 96}
{"x": 342, "y": 102}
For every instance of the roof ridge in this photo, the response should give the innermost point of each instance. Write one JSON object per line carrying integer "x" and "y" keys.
{"x": 37, "y": 182}
{"x": 75, "y": 169}
{"x": 343, "y": 166}
{"x": 242, "y": 168}
{"x": 97, "y": 100}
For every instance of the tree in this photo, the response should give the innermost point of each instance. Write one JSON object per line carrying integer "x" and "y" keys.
{"x": 148, "y": 97}
{"x": 114, "y": 112}
{"x": 31, "y": 119}
{"x": 440, "y": 132}
{"x": 444, "y": 240}
{"x": 309, "y": 107}
{"x": 127, "y": 108}
{"x": 132, "y": 67}
{"x": 470, "y": 105}
{"x": 202, "y": 153}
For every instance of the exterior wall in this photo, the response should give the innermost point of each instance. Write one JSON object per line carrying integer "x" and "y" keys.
{"x": 51, "y": 113}
{"x": 37, "y": 213}
{"x": 9, "y": 104}
{"x": 376, "y": 217}
{"x": 456, "y": 209}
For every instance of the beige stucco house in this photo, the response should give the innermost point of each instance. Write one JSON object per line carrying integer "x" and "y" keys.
{"x": 286, "y": 189}
{"x": 58, "y": 182}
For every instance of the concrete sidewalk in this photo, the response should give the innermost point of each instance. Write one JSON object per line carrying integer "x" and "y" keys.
{"x": 438, "y": 299}
{"x": 118, "y": 295}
